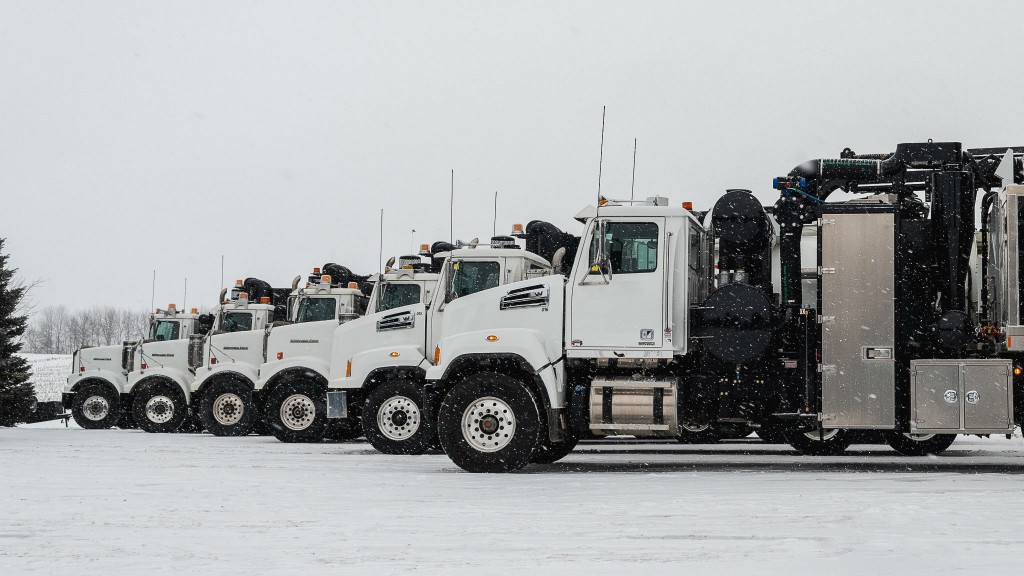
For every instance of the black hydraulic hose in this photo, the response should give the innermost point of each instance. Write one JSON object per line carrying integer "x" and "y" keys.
{"x": 986, "y": 204}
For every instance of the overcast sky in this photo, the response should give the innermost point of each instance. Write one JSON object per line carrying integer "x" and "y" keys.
{"x": 161, "y": 135}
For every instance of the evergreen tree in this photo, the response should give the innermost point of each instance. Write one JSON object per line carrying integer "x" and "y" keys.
{"x": 16, "y": 392}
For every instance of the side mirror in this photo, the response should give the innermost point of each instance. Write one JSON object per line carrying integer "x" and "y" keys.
{"x": 601, "y": 263}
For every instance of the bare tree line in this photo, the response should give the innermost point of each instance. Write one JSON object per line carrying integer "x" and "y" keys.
{"x": 57, "y": 330}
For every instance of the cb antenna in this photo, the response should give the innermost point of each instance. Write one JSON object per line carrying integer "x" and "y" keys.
{"x": 600, "y": 163}
{"x": 152, "y": 292}
{"x": 632, "y": 184}
{"x": 380, "y": 255}
{"x": 494, "y": 227}
{"x": 451, "y": 210}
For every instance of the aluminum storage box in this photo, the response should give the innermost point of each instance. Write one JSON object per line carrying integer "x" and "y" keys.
{"x": 968, "y": 396}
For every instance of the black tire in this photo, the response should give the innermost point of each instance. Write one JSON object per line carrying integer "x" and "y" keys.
{"x": 708, "y": 435}
{"x": 227, "y": 408}
{"x": 296, "y": 411}
{"x": 394, "y": 422}
{"x": 192, "y": 423}
{"x": 810, "y": 443}
{"x": 344, "y": 429}
{"x": 96, "y": 406}
{"x": 513, "y": 406}
{"x": 159, "y": 405}
{"x": 922, "y": 446}
{"x": 549, "y": 452}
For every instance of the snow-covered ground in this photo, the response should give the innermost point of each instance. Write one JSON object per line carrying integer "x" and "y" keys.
{"x": 117, "y": 502}
{"x": 49, "y": 374}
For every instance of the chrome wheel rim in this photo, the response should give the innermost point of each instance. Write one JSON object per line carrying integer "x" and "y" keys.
{"x": 398, "y": 418}
{"x": 298, "y": 412}
{"x": 160, "y": 409}
{"x": 228, "y": 409}
{"x": 918, "y": 437}
{"x": 828, "y": 435}
{"x": 95, "y": 408}
{"x": 488, "y": 424}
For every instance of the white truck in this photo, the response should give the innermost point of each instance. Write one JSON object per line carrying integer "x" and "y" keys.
{"x": 518, "y": 368}
{"x": 379, "y": 361}
{"x": 225, "y": 363}
{"x": 290, "y": 386}
{"x": 99, "y": 390}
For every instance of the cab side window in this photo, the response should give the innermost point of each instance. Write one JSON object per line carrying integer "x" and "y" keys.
{"x": 631, "y": 247}
{"x": 472, "y": 277}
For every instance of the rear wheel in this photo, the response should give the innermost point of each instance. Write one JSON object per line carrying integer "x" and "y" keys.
{"x": 296, "y": 411}
{"x": 159, "y": 405}
{"x": 819, "y": 442}
{"x": 394, "y": 422}
{"x": 489, "y": 423}
{"x": 698, "y": 433}
{"x": 96, "y": 406}
{"x": 919, "y": 444}
{"x": 227, "y": 409}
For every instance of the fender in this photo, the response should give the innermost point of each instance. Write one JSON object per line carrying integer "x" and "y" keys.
{"x": 247, "y": 372}
{"x": 270, "y": 371}
{"x": 524, "y": 343}
{"x": 366, "y": 363}
{"x": 182, "y": 379}
{"x": 115, "y": 379}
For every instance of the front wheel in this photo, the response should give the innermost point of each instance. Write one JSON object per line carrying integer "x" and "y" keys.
{"x": 919, "y": 444}
{"x": 159, "y": 406}
{"x": 96, "y": 406}
{"x": 489, "y": 423}
{"x": 819, "y": 442}
{"x": 297, "y": 412}
{"x": 393, "y": 419}
{"x": 227, "y": 409}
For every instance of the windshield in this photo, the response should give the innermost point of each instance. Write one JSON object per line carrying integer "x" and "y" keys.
{"x": 397, "y": 295}
{"x": 236, "y": 322}
{"x": 316, "y": 309}
{"x": 164, "y": 330}
{"x": 472, "y": 277}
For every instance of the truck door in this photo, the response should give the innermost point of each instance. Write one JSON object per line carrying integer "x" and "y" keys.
{"x": 618, "y": 306}
{"x": 462, "y": 278}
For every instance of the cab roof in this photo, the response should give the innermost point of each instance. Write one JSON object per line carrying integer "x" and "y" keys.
{"x": 487, "y": 252}
{"x": 637, "y": 210}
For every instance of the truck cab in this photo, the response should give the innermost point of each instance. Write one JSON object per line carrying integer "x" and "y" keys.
{"x": 226, "y": 363}
{"x": 293, "y": 376}
{"x": 98, "y": 390}
{"x": 159, "y": 374}
{"x": 523, "y": 370}
{"x": 379, "y": 361}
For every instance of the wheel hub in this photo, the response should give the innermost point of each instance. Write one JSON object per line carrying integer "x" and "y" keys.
{"x": 488, "y": 424}
{"x": 398, "y": 418}
{"x": 160, "y": 409}
{"x": 828, "y": 435}
{"x": 298, "y": 412}
{"x": 96, "y": 408}
{"x": 228, "y": 409}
